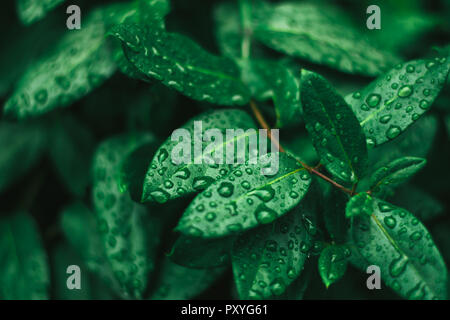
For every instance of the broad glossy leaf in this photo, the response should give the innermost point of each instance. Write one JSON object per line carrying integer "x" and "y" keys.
{"x": 167, "y": 180}
{"x": 395, "y": 100}
{"x": 182, "y": 64}
{"x": 246, "y": 198}
{"x": 335, "y": 131}
{"x": 62, "y": 257}
{"x": 395, "y": 173}
{"x": 19, "y": 141}
{"x": 360, "y": 204}
{"x": 176, "y": 282}
{"x": 71, "y": 150}
{"x": 266, "y": 260}
{"x": 410, "y": 263}
{"x": 84, "y": 234}
{"x": 333, "y": 263}
{"x": 192, "y": 252}
{"x": 33, "y": 10}
{"x": 334, "y": 215}
{"x": 78, "y": 63}
{"x": 320, "y": 35}
{"x": 24, "y": 272}
{"x": 278, "y": 81}
{"x": 121, "y": 220}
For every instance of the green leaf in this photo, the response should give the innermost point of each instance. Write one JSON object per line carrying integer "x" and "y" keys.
{"x": 395, "y": 100}
{"x": 360, "y": 204}
{"x": 71, "y": 150}
{"x": 180, "y": 283}
{"x": 335, "y": 131}
{"x": 266, "y": 260}
{"x": 182, "y": 64}
{"x": 121, "y": 220}
{"x": 84, "y": 234}
{"x": 33, "y": 10}
{"x": 192, "y": 252}
{"x": 167, "y": 180}
{"x": 334, "y": 215}
{"x": 333, "y": 263}
{"x": 246, "y": 198}
{"x": 393, "y": 239}
{"x": 320, "y": 35}
{"x": 24, "y": 272}
{"x": 395, "y": 173}
{"x": 62, "y": 257}
{"x": 77, "y": 64}
{"x": 275, "y": 80}
{"x": 19, "y": 141}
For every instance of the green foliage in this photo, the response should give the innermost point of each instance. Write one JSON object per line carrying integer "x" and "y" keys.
{"x": 358, "y": 177}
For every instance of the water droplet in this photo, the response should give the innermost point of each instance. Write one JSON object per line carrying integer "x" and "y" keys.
{"x": 264, "y": 214}
{"x": 160, "y": 196}
{"x": 265, "y": 194}
{"x": 183, "y": 173}
{"x": 385, "y": 119}
{"x": 210, "y": 216}
{"x": 416, "y": 236}
{"x": 410, "y": 68}
{"x": 226, "y": 189}
{"x": 390, "y": 221}
{"x": 405, "y": 91}
{"x": 162, "y": 155}
{"x": 41, "y": 96}
{"x": 423, "y": 104}
{"x": 373, "y": 100}
{"x": 277, "y": 287}
{"x": 398, "y": 266}
{"x": 393, "y": 132}
{"x": 201, "y": 183}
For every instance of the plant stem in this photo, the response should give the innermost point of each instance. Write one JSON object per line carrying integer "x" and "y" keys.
{"x": 263, "y": 123}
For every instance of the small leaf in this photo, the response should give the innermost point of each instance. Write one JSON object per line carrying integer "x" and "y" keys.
{"x": 24, "y": 271}
{"x": 318, "y": 34}
{"x": 180, "y": 283}
{"x": 19, "y": 141}
{"x": 167, "y": 180}
{"x": 275, "y": 80}
{"x": 394, "y": 101}
{"x": 333, "y": 263}
{"x": 246, "y": 198}
{"x": 393, "y": 239}
{"x": 80, "y": 62}
{"x": 360, "y": 204}
{"x": 335, "y": 131}
{"x": 71, "y": 150}
{"x": 120, "y": 219}
{"x": 192, "y": 252}
{"x": 182, "y": 64}
{"x": 33, "y": 10}
{"x": 395, "y": 173}
{"x": 266, "y": 260}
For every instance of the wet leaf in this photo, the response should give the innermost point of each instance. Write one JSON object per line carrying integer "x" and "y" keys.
{"x": 320, "y": 35}
{"x": 268, "y": 259}
{"x": 395, "y": 173}
{"x": 121, "y": 219}
{"x": 333, "y": 263}
{"x": 182, "y": 64}
{"x": 246, "y": 198}
{"x": 169, "y": 178}
{"x": 334, "y": 129}
{"x": 395, "y": 100}
{"x": 393, "y": 239}
{"x": 24, "y": 271}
